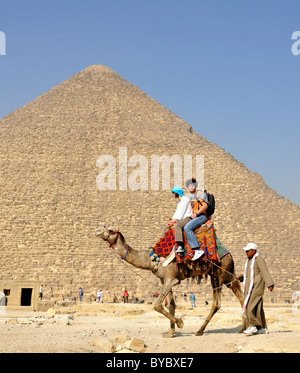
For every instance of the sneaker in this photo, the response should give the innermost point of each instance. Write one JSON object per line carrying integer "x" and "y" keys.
{"x": 198, "y": 254}
{"x": 180, "y": 250}
{"x": 263, "y": 331}
{"x": 251, "y": 330}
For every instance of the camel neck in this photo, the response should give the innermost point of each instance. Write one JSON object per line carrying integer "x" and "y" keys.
{"x": 138, "y": 258}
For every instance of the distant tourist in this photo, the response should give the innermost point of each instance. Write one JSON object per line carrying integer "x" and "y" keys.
{"x": 80, "y": 294}
{"x": 125, "y": 296}
{"x": 41, "y": 292}
{"x": 193, "y": 300}
{"x": 256, "y": 277}
{"x": 2, "y": 299}
{"x": 100, "y": 296}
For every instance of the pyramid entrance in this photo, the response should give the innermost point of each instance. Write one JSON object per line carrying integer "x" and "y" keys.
{"x": 26, "y": 295}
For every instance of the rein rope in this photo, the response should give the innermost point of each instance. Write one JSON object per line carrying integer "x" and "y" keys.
{"x": 224, "y": 270}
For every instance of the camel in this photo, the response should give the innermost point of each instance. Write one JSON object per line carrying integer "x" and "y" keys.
{"x": 173, "y": 273}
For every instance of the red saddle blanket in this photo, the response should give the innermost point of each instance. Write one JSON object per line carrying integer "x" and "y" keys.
{"x": 205, "y": 237}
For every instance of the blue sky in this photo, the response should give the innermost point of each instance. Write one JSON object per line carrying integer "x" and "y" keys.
{"x": 225, "y": 67}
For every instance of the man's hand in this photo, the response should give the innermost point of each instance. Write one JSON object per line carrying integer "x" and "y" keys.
{"x": 271, "y": 288}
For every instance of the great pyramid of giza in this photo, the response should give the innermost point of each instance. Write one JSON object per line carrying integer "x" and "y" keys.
{"x": 50, "y": 203}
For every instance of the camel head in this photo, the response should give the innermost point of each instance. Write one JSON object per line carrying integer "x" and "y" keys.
{"x": 107, "y": 233}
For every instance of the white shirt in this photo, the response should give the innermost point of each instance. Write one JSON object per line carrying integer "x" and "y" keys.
{"x": 184, "y": 209}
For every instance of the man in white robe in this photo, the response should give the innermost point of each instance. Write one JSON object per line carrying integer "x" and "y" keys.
{"x": 256, "y": 277}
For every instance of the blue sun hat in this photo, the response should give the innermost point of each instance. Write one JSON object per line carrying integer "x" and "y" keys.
{"x": 178, "y": 190}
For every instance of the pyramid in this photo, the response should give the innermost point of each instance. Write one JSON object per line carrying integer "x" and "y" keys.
{"x": 51, "y": 203}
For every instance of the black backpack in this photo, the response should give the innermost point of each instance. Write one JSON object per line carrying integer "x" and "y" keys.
{"x": 211, "y": 204}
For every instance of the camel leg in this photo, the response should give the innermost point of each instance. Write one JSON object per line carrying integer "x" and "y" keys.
{"x": 216, "y": 305}
{"x": 158, "y": 306}
{"x": 171, "y": 306}
{"x": 236, "y": 289}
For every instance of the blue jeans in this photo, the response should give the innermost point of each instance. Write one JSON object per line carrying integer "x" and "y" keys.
{"x": 189, "y": 230}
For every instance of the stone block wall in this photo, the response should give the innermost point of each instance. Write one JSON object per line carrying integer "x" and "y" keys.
{"x": 50, "y": 204}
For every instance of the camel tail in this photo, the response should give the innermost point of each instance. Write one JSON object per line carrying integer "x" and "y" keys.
{"x": 232, "y": 269}
{"x": 230, "y": 279}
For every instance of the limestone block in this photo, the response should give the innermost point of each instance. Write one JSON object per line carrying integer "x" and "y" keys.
{"x": 135, "y": 344}
{"x": 104, "y": 344}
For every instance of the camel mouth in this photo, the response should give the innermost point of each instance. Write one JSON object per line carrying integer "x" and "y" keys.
{"x": 100, "y": 232}
{"x": 104, "y": 232}
{"x": 97, "y": 233}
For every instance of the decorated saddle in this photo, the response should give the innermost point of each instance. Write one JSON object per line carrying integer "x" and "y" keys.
{"x": 206, "y": 238}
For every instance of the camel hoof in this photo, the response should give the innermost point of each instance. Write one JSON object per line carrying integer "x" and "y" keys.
{"x": 180, "y": 323}
{"x": 199, "y": 332}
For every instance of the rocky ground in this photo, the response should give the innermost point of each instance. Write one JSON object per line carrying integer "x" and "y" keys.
{"x": 119, "y": 328}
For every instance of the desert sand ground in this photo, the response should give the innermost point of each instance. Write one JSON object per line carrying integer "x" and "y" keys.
{"x": 118, "y": 327}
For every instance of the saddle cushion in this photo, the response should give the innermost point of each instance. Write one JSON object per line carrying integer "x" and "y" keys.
{"x": 206, "y": 239}
{"x": 165, "y": 245}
